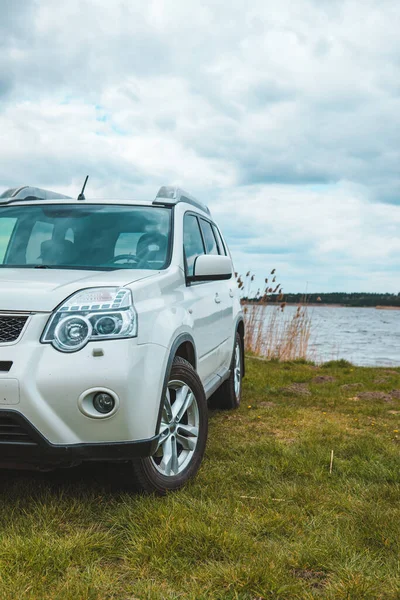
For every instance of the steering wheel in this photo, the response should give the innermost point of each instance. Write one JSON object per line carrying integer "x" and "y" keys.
{"x": 127, "y": 257}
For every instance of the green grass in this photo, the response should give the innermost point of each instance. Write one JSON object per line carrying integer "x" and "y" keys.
{"x": 263, "y": 519}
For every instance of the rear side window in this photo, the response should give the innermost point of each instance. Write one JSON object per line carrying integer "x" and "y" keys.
{"x": 209, "y": 238}
{"x": 192, "y": 241}
{"x": 221, "y": 245}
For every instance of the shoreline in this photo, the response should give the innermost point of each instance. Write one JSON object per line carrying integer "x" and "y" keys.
{"x": 305, "y": 304}
{"x": 317, "y": 304}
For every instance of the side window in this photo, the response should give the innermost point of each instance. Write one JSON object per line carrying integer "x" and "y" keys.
{"x": 192, "y": 241}
{"x": 41, "y": 232}
{"x": 209, "y": 238}
{"x": 221, "y": 245}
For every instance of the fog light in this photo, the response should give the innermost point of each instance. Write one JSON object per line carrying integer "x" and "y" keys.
{"x": 103, "y": 402}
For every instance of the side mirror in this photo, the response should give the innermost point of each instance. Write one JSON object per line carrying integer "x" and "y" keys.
{"x": 210, "y": 267}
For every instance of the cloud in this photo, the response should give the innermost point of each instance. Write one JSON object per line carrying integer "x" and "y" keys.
{"x": 323, "y": 235}
{"x": 285, "y": 118}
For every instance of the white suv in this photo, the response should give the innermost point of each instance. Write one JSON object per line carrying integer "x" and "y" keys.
{"x": 119, "y": 320}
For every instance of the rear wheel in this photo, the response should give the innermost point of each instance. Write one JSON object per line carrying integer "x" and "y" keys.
{"x": 182, "y": 434}
{"x": 228, "y": 396}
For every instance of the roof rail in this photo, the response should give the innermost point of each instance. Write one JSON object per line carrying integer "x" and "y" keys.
{"x": 168, "y": 194}
{"x": 26, "y": 192}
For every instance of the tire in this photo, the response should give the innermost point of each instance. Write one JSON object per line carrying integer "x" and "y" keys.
{"x": 228, "y": 396}
{"x": 180, "y": 453}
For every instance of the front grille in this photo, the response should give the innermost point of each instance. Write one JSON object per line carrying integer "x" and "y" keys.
{"x": 12, "y": 432}
{"x": 11, "y": 328}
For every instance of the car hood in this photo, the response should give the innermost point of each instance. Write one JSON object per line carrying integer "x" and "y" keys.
{"x": 42, "y": 290}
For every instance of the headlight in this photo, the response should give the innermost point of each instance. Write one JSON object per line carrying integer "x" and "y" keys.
{"x": 90, "y": 315}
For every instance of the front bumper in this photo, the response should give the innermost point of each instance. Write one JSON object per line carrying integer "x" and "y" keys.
{"x": 42, "y": 389}
{"x": 21, "y": 444}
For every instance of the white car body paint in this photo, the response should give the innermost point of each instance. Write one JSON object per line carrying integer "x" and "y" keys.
{"x": 45, "y": 385}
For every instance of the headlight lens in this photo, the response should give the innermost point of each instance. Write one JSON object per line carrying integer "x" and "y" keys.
{"x": 89, "y": 315}
{"x": 72, "y": 333}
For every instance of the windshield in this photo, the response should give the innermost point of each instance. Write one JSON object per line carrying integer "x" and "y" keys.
{"x": 85, "y": 236}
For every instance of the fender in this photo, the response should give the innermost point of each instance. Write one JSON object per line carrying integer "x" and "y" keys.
{"x": 183, "y": 337}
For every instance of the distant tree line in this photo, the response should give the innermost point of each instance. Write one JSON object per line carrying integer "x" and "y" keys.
{"x": 345, "y": 299}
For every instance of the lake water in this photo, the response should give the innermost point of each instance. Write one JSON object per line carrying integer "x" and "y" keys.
{"x": 364, "y": 336}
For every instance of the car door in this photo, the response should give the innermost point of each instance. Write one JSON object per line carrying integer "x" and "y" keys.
{"x": 214, "y": 245}
{"x": 203, "y": 301}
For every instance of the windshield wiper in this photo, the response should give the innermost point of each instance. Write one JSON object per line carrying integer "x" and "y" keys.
{"x": 70, "y": 267}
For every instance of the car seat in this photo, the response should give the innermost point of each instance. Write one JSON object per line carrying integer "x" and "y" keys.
{"x": 60, "y": 252}
{"x": 151, "y": 247}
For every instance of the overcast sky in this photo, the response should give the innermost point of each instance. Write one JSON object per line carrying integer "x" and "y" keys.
{"x": 283, "y": 116}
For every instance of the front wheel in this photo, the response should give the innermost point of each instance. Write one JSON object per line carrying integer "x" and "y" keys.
{"x": 182, "y": 434}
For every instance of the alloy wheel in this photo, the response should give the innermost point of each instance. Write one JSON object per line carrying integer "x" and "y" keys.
{"x": 179, "y": 430}
{"x": 238, "y": 370}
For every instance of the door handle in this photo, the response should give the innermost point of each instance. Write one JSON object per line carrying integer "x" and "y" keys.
{"x": 231, "y": 293}
{"x": 217, "y": 299}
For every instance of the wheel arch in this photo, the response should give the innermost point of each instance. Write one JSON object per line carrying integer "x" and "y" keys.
{"x": 187, "y": 350}
{"x": 240, "y": 331}
{"x": 182, "y": 346}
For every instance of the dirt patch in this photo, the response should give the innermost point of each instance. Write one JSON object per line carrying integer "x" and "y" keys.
{"x": 384, "y": 396}
{"x": 389, "y": 372}
{"x": 324, "y": 379}
{"x": 267, "y": 404}
{"x": 317, "y": 579}
{"x": 394, "y": 412}
{"x": 375, "y": 396}
{"x": 379, "y": 380}
{"x": 350, "y": 386}
{"x": 296, "y": 389}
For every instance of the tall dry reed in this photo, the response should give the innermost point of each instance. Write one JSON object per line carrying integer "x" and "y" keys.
{"x": 271, "y": 331}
